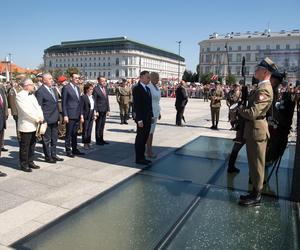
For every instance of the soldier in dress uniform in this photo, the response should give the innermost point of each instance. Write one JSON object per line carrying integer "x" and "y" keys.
{"x": 256, "y": 131}
{"x": 234, "y": 96}
{"x": 124, "y": 95}
{"x": 215, "y": 97}
{"x": 62, "y": 81}
{"x": 11, "y": 99}
{"x": 205, "y": 92}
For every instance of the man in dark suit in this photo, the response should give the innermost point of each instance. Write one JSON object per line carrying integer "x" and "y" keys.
{"x": 48, "y": 99}
{"x": 142, "y": 108}
{"x": 102, "y": 109}
{"x": 3, "y": 118}
{"x": 181, "y": 101}
{"x": 71, "y": 113}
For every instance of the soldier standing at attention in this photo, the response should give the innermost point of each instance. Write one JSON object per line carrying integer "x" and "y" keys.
{"x": 215, "y": 96}
{"x": 123, "y": 95}
{"x": 256, "y": 131}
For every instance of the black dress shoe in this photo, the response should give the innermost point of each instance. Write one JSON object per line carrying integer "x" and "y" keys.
{"x": 149, "y": 162}
{"x": 26, "y": 169}
{"x": 2, "y": 174}
{"x": 105, "y": 142}
{"x": 58, "y": 158}
{"x": 69, "y": 154}
{"x": 233, "y": 170}
{"x": 142, "y": 162}
{"x": 252, "y": 199}
{"x": 4, "y": 149}
{"x": 77, "y": 152}
{"x": 126, "y": 123}
{"x": 33, "y": 166}
{"x": 50, "y": 160}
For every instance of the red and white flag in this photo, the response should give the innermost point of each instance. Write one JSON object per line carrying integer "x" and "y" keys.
{"x": 214, "y": 77}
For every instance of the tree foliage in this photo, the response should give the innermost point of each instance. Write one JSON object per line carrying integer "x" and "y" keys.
{"x": 206, "y": 78}
{"x": 230, "y": 79}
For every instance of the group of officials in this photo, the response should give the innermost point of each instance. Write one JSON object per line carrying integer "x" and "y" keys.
{"x": 34, "y": 110}
{"x": 47, "y": 107}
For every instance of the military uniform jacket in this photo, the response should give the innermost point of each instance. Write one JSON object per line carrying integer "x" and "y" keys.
{"x": 11, "y": 98}
{"x": 123, "y": 95}
{"x": 215, "y": 97}
{"x": 259, "y": 102}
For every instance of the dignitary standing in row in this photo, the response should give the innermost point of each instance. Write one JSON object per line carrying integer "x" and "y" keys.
{"x": 30, "y": 115}
{"x": 102, "y": 109}
{"x": 47, "y": 97}
{"x": 155, "y": 95}
{"x": 3, "y": 118}
{"x": 71, "y": 113}
{"x": 88, "y": 114}
{"x": 142, "y": 108}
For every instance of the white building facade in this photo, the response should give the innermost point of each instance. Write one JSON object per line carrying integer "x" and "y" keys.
{"x": 223, "y": 54}
{"x": 113, "y": 58}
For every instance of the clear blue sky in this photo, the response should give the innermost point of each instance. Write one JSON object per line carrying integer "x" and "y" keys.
{"x": 28, "y": 27}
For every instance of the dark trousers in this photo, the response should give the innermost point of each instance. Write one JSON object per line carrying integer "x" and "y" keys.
{"x": 234, "y": 153}
{"x": 50, "y": 140}
{"x": 179, "y": 115}
{"x": 87, "y": 128}
{"x": 17, "y": 131}
{"x": 141, "y": 138}
{"x": 27, "y": 146}
{"x": 100, "y": 123}
{"x": 71, "y": 134}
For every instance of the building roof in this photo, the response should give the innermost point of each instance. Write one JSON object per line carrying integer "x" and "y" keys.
{"x": 108, "y": 44}
{"x": 255, "y": 34}
{"x": 15, "y": 68}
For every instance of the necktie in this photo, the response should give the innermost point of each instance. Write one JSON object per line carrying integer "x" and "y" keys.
{"x": 52, "y": 93}
{"x": 103, "y": 90}
{"x": 76, "y": 91}
{"x": 148, "y": 91}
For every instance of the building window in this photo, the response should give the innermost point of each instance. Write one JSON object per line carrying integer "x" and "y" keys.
{"x": 257, "y": 57}
{"x": 207, "y": 69}
{"x": 248, "y": 57}
{"x": 90, "y": 64}
{"x": 230, "y": 48}
{"x": 108, "y": 58}
{"x": 104, "y": 64}
{"x": 208, "y": 58}
{"x": 104, "y": 74}
{"x": 95, "y": 74}
{"x": 108, "y": 74}
{"x": 267, "y": 46}
{"x": 117, "y": 61}
{"x": 287, "y": 46}
{"x": 99, "y": 64}
{"x": 238, "y": 57}
{"x": 248, "y": 47}
{"x": 207, "y": 49}
{"x": 230, "y": 57}
{"x": 218, "y": 49}
{"x": 95, "y": 64}
{"x": 108, "y": 63}
{"x": 238, "y": 70}
{"x": 117, "y": 73}
{"x": 278, "y": 46}
{"x": 239, "y": 48}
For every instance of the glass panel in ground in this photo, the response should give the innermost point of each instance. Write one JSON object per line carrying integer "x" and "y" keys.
{"x": 195, "y": 169}
{"x": 208, "y": 147}
{"x": 133, "y": 216}
{"x": 220, "y": 223}
{"x": 279, "y": 185}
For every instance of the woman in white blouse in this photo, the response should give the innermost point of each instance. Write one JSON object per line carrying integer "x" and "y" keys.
{"x": 155, "y": 93}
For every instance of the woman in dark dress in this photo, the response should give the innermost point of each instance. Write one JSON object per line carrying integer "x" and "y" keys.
{"x": 88, "y": 114}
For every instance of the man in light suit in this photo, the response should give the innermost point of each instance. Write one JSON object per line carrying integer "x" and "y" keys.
{"x": 29, "y": 115}
{"x": 142, "y": 108}
{"x": 48, "y": 99}
{"x": 102, "y": 109}
{"x": 71, "y": 113}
